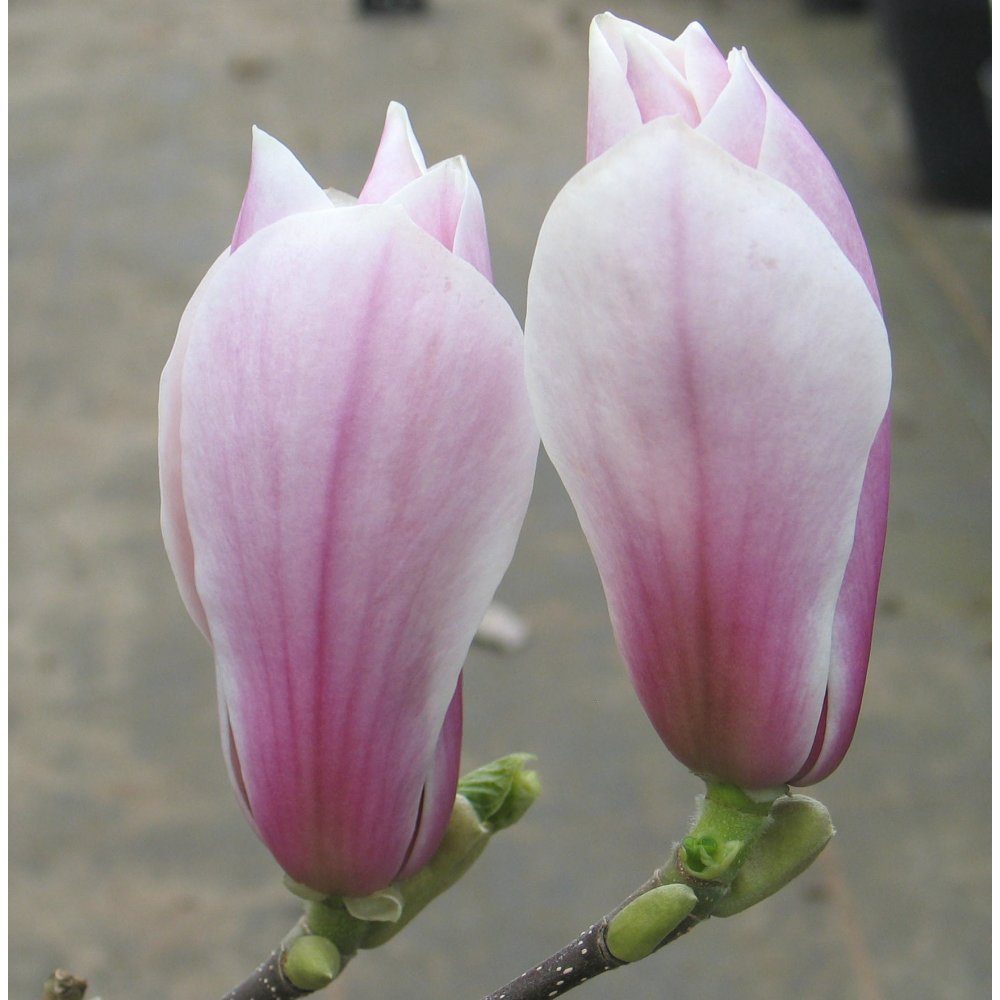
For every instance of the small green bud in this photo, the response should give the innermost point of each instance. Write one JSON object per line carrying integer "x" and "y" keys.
{"x": 524, "y": 789}
{"x": 311, "y": 962}
{"x": 635, "y": 930}
{"x": 799, "y": 830}
{"x": 502, "y": 791}
{"x": 705, "y": 858}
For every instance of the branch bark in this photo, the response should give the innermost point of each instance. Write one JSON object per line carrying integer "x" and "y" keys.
{"x": 267, "y": 982}
{"x": 583, "y": 958}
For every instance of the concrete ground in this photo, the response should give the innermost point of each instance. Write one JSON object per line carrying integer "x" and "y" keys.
{"x": 129, "y": 860}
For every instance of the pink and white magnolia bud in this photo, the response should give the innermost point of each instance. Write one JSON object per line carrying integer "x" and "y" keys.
{"x": 710, "y": 372}
{"x": 346, "y": 456}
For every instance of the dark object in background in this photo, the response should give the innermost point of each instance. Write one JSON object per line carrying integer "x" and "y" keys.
{"x": 836, "y": 6}
{"x": 943, "y": 49}
{"x": 392, "y": 6}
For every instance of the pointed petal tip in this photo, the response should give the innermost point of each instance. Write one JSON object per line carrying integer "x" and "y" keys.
{"x": 396, "y": 111}
{"x": 457, "y": 166}
{"x": 695, "y": 28}
{"x": 398, "y": 159}
{"x": 278, "y": 186}
{"x": 399, "y": 127}
{"x": 265, "y": 143}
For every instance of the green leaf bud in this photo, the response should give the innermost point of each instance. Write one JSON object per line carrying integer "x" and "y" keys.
{"x": 502, "y": 791}
{"x": 524, "y": 790}
{"x": 706, "y": 858}
{"x": 311, "y": 962}
{"x": 800, "y": 828}
{"x": 637, "y": 929}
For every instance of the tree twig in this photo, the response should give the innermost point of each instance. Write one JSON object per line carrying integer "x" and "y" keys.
{"x": 267, "y": 982}
{"x": 63, "y": 985}
{"x": 585, "y": 957}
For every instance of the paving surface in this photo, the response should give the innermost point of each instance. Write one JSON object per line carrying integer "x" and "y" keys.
{"x": 130, "y": 861}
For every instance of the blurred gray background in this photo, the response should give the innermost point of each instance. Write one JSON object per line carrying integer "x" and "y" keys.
{"x": 130, "y": 862}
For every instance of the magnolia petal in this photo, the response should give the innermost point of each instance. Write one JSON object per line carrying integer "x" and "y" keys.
{"x": 737, "y": 120}
{"x": 708, "y": 374}
{"x": 790, "y": 154}
{"x": 705, "y": 67}
{"x": 439, "y": 790}
{"x": 357, "y": 459}
{"x": 173, "y": 517}
{"x": 340, "y": 199}
{"x": 445, "y": 202}
{"x": 659, "y": 88}
{"x": 855, "y": 617}
{"x": 231, "y": 757}
{"x": 633, "y": 66}
{"x": 635, "y": 34}
{"x": 279, "y": 186}
{"x": 612, "y": 111}
{"x": 398, "y": 160}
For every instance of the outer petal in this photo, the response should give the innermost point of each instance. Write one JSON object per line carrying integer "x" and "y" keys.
{"x": 173, "y": 516}
{"x": 439, "y": 790}
{"x": 279, "y": 186}
{"x": 790, "y": 154}
{"x": 854, "y": 619}
{"x": 708, "y": 373}
{"x": 357, "y": 459}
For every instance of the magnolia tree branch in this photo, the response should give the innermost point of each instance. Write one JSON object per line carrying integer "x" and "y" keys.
{"x": 589, "y": 954}
{"x": 582, "y": 959}
{"x": 709, "y": 875}
{"x": 267, "y": 982}
{"x": 740, "y": 849}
